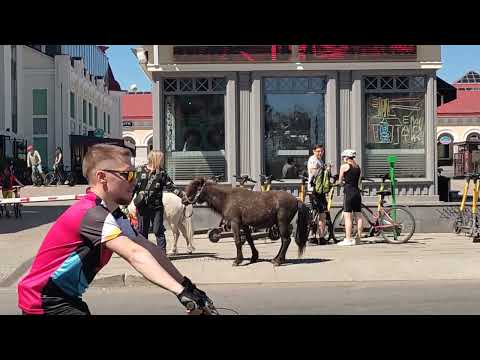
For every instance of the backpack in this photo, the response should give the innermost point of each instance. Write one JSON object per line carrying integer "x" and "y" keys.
{"x": 322, "y": 183}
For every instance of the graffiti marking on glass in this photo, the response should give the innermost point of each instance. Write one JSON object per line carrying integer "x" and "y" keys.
{"x": 395, "y": 121}
{"x": 170, "y": 123}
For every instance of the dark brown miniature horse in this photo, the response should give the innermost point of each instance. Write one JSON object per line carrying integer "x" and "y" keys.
{"x": 243, "y": 208}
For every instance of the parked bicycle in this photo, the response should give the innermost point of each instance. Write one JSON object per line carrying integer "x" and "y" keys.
{"x": 395, "y": 223}
{"x": 53, "y": 178}
{"x": 467, "y": 218}
{"x": 37, "y": 178}
{"x": 329, "y": 233}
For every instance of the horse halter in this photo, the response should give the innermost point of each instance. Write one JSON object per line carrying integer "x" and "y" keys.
{"x": 197, "y": 195}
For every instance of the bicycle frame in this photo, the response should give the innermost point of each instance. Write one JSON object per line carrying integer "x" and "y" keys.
{"x": 461, "y": 223}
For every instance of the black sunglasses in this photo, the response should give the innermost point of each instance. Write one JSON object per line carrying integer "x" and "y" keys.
{"x": 126, "y": 175}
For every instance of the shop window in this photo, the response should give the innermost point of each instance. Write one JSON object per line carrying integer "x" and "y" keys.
{"x": 195, "y": 127}
{"x": 294, "y": 115}
{"x": 395, "y": 125}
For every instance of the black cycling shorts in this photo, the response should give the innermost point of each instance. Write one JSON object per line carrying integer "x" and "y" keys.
{"x": 352, "y": 200}
{"x": 318, "y": 201}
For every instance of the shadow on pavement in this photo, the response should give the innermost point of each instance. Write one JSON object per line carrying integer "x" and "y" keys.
{"x": 247, "y": 262}
{"x": 198, "y": 255}
{"x": 32, "y": 216}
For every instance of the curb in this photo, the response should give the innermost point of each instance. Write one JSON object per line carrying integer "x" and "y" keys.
{"x": 125, "y": 280}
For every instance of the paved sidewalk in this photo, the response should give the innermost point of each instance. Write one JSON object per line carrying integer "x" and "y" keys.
{"x": 426, "y": 257}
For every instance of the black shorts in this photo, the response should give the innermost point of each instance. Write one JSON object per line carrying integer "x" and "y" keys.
{"x": 56, "y": 302}
{"x": 319, "y": 202}
{"x": 352, "y": 200}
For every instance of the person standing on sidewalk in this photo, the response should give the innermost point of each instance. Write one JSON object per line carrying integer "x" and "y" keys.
{"x": 84, "y": 237}
{"x": 350, "y": 172}
{"x": 58, "y": 166}
{"x": 315, "y": 167}
{"x": 152, "y": 179}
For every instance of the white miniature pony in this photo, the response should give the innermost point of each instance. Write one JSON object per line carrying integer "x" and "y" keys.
{"x": 178, "y": 218}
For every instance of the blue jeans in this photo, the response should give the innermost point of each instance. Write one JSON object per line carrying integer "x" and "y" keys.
{"x": 156, "y": 217}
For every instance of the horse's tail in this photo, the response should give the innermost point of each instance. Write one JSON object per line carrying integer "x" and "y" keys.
{"x": 303, "y": 220}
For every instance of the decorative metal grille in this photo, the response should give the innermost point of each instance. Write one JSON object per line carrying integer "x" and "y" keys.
{"x": 194, "y": 85}
{"x": 394, "y": 83}
{"x": 294, "y": 85}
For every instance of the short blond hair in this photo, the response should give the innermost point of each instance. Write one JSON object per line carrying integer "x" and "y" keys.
{"x": 99, "y": 153}
{"x": 155, "y": 159}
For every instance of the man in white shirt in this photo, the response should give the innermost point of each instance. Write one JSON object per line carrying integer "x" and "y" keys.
{"x": 35, "y": 161}
{"x": 319, "y": 201}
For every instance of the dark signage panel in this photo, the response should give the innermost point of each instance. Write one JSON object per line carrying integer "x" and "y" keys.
{"x": 291, "y": 53}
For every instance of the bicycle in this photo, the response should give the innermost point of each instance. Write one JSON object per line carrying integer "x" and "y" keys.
{"x": 395, "y": 223}
{"x": 469, "y": 220}
{"x": 329, "y": 233}
{"x": 53, "y": 177}
{"x": 37, "y": 178}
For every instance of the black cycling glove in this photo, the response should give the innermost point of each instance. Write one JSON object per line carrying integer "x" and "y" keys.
{"x": 187, "y": 283}
{"x": 191, "y": 300}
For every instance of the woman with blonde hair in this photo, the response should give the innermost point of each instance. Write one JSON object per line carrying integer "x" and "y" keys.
{"x": 152, "y": 179}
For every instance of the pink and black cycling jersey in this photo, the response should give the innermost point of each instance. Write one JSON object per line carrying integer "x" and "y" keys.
{"x": 71, "y": 254}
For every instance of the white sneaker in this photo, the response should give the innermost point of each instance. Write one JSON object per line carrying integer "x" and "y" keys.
{"x": 347, "y": 242}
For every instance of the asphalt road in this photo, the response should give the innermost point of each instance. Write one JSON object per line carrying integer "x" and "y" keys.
{"x": 358, "y": 298}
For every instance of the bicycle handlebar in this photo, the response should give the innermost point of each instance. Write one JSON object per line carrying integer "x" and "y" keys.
{"x": 244, "y": 178}
{"x": 268, "y": 179}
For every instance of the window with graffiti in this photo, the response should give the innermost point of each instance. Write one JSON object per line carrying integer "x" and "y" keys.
{"x": 395, "y": 121}
{"x": 395, "y": 125}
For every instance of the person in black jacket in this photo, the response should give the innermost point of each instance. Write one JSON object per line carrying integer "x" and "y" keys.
{"x": 152, "y": 179}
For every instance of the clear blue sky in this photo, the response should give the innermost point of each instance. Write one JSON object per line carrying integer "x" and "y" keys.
{"x": 457, "y": 60}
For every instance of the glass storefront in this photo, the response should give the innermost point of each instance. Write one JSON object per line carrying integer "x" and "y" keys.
{"x": 294, "y": 122}
{"x": 195, "y": 127}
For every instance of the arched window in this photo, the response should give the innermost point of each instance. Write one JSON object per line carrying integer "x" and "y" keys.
{"x": 473, "y": 137}
{"x": 445, "y": 149}
{"x": 129, "y": 139}
{"x": 149, "y": 145}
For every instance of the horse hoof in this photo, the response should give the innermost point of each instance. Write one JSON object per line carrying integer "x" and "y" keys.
{"x": 277, "y": 262}
{"x": 190, "y": 251}
{"x": 236, "y": 262}
{"x": 254, "y": 259}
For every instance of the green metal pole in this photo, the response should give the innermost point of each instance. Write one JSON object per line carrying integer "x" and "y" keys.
{"x": 393, "y": 184}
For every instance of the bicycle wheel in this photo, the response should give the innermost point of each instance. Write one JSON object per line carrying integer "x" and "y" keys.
{"x": 401, "y": 229}
{"x": 313, "y": 227}
{"x": 339, "y": 224}
{"x": 462, "y": 222}
{"x": 50, "y": 178}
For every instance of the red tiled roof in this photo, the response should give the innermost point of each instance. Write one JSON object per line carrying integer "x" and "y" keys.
{"x": 466, "y": 103}
{"x": 137, "y": 106}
